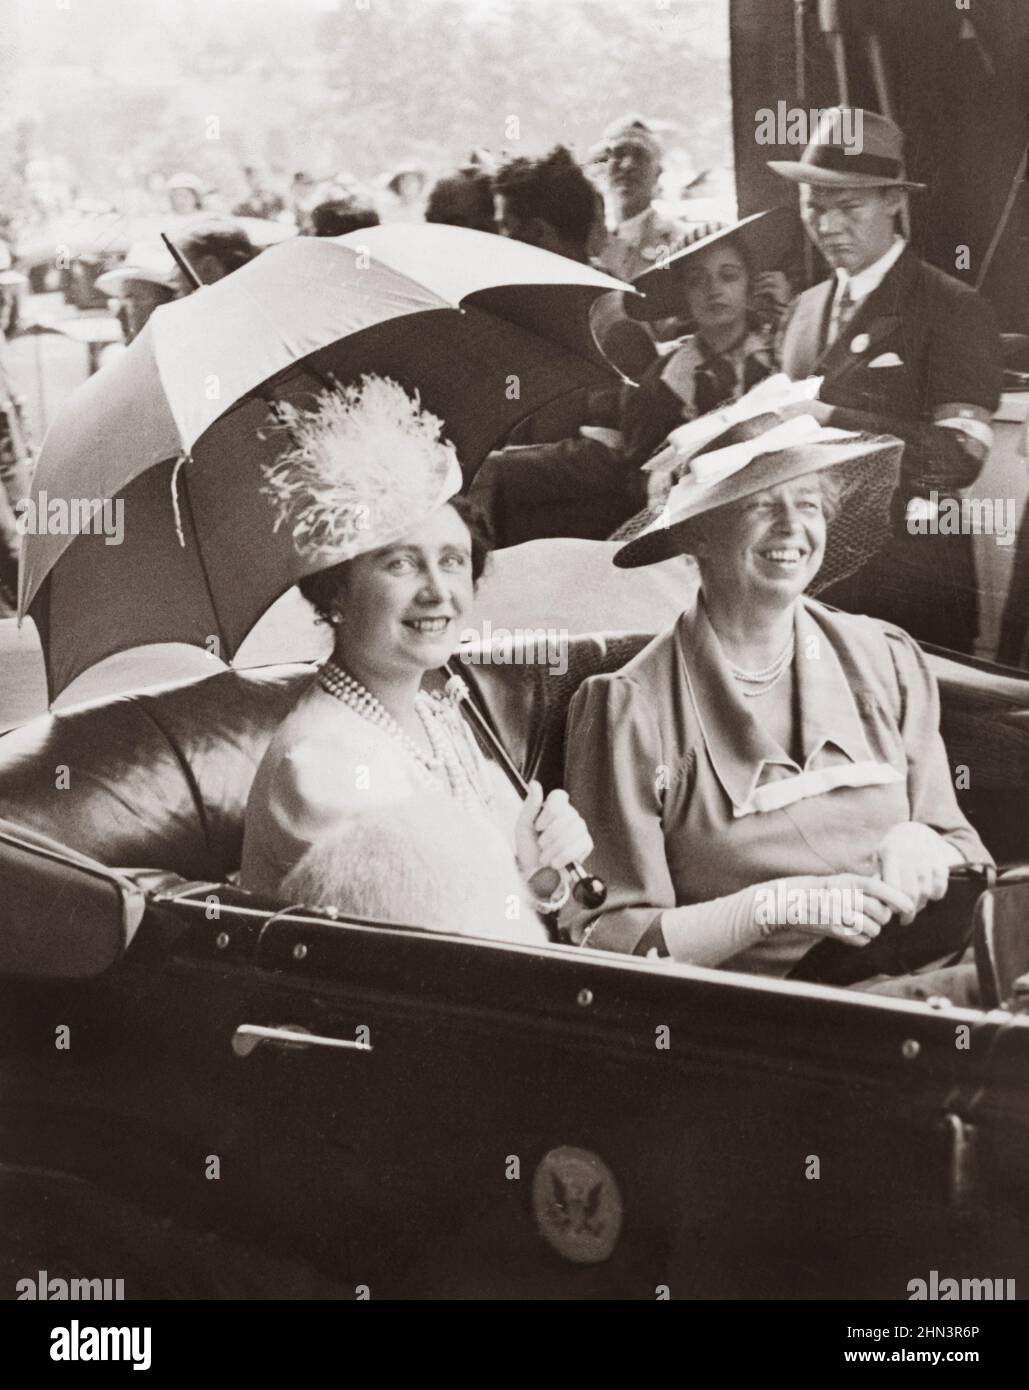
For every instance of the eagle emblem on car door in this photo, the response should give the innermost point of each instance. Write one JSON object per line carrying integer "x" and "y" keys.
{"x": 577, "y": 1204}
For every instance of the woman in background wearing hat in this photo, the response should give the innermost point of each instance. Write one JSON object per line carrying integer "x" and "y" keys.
{"x": 725, "y": 287}
{"x": 766, "y": 743}
{"x": 373, "y": 796}
{"x": 589, "y": 485}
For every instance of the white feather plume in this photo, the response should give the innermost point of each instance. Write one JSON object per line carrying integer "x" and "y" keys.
{"x": 364, "y": 466}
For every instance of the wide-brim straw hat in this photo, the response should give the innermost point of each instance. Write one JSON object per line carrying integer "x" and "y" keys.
{"x": 124, "y": 279}
{"x": 765, "y": 237}
{"x": 758, "y": 454}
{"x": 875, "y": 161}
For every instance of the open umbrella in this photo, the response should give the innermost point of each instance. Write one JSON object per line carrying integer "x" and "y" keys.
{"x": 171, "y": 435}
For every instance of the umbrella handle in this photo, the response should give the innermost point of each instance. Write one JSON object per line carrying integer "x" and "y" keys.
{"x": 587, "y": 890}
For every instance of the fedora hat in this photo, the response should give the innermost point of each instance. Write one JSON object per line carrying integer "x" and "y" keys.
{"x": 765, "y": 237}
{"x": 764, "y": 452}
{"x": 874, "y": 160}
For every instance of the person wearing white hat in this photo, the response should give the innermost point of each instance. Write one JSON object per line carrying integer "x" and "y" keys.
{"x": 768, "y": 771}
{"x": 641, "y": 235}
{"x": 388, "y": 558}
{"x": 137, "y": 291}
{"x": 185, "y": 193}
{"x": 902, "y": 348}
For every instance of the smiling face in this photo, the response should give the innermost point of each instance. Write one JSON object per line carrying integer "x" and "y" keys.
{"x": 716, "y": 289}
{"x": 400, "y": 606}
{"x": 766, "y": 547}
{"x": 852, "y": 227}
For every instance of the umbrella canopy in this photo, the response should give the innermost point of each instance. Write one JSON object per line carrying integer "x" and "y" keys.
{"x": 173, "y": 432}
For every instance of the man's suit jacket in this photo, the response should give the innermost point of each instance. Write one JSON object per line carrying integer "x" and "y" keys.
{"x": 942, "y": 362}
{"x": 945, "y": 337}
{"x": 656, "y": 233}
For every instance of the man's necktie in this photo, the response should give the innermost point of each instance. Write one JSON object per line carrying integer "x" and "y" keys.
{"x": 842, "y": 312}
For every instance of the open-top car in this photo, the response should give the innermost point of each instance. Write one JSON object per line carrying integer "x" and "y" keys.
{"x": 209, "y": 1094}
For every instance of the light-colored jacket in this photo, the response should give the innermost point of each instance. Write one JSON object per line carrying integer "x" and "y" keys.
{"x": 338, "y": 816}
{"x": 689, "y": 799}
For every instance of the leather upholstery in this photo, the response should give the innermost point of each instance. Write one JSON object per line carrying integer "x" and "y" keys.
{"x": 527, "y": 701}
{"x": 154, "y": 780}
{"x": 160, "y": 780}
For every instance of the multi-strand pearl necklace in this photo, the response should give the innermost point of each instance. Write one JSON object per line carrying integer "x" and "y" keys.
{"x": 350, "y": 692}
{"x": 765, "y": 680}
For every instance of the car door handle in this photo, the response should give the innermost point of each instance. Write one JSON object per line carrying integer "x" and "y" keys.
{"x": 248, "y": 1035}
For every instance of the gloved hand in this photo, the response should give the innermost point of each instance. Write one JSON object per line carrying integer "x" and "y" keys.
{"x": 550, "y": 833}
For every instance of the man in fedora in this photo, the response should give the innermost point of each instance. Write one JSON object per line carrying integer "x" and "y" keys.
{"x": 903, "y": 349}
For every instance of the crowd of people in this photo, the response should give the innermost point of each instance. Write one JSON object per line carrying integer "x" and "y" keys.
{"x": 768, "y": 741}
{"x": 605, "y": 211}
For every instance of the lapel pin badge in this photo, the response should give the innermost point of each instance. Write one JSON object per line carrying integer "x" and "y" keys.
{"x": 860, "y": 343}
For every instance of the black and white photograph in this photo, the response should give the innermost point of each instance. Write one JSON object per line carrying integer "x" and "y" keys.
{"x": 514, "y": 668}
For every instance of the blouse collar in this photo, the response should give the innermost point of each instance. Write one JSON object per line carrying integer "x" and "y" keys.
{"x": 739, "y": 746}
{"x": 691, "y": 353}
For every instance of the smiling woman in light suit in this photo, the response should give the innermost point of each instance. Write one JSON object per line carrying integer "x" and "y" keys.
{"x": 766, "y": 748}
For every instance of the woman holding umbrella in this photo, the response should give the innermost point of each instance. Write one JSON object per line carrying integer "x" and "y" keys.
{"x": 368, "y": 490}
{"x": 733, "y": 302}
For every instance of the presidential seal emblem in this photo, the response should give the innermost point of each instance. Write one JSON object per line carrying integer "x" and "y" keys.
{"x": 860, "y": 343}
{"x": 577, "y": 1205}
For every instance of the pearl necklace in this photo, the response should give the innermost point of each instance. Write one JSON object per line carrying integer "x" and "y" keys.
{"x": 350, "y": 692}
{"x": 770, "y": 677}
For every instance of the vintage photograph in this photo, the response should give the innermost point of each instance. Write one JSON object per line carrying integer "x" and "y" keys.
{"x": 514, "y": 658}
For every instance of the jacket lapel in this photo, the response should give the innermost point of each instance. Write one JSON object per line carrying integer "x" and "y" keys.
{"x": 805, "y": 332}
{"x": 876, "y": 319}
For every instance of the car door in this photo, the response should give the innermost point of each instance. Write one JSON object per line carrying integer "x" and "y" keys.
{"x": 566, "y": 1124}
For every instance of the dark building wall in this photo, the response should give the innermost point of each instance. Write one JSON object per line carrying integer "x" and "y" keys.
{"x": 959, "y": 85}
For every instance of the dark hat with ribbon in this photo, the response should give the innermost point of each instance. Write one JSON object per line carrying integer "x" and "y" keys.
{"x": 850, "y": 147}
{"x": 764, "y": 236}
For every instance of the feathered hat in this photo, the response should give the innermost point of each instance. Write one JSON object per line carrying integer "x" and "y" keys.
{"x": 365, "y": 466}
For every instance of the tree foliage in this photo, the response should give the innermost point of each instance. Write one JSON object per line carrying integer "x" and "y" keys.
{"x": 127, "y": 88}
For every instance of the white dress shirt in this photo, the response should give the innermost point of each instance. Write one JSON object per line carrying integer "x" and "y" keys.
{"x": 859, "y": 286}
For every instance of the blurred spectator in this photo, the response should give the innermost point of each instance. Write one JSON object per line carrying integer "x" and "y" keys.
{"x": 463, "y": 199}
{"x": 13, "y": 285}
{"x": 640, "y": 231}
{"x": 185, "y": 193}
{"x": 546, "y": 202}
{"x": 214, "y": 247}
{"x": 405, "y": 194}
{"x": 347, "y": 211}
{"x": 138, "y": 291}
{"x": 303, "y": 196}
{"x": 15, "y": 470}
{"x": 261, "y": 201}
